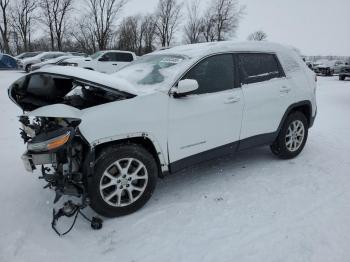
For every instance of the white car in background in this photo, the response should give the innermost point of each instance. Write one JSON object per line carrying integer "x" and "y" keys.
{"x": 104, "y": 61}
{"x": 26, "y": 63}
{"x": 54, "y": 61}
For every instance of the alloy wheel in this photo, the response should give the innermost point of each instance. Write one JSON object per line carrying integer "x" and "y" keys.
{"x": 123, "y": 182}
{"x": 295, "y": 135}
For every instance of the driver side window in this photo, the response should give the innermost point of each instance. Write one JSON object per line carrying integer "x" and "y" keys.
{"x": 213, "y": 74}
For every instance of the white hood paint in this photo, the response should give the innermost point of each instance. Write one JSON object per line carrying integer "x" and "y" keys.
{"x": 56, "y": 110}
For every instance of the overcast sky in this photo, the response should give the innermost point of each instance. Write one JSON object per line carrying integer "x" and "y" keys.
{"x": 316, "y": 27}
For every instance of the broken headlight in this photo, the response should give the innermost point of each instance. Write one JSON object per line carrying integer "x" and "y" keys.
{"x": 51, "y": 140}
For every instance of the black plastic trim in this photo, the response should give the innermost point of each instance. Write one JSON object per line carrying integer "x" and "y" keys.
{"x": 255, "y": 141}
{"x": 258, "y": 140}
{"x": 292, "y": 107}
{"x": 203, "y": 156}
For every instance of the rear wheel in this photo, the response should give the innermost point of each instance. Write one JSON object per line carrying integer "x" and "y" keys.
{"x": 292, "y": 137}
{"x": 124, "y": 180}
{"x": 341, "y": 78}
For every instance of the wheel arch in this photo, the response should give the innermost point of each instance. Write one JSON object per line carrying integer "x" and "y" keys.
{"x": 304, "y": 107}
{"x": 143, "y": 139}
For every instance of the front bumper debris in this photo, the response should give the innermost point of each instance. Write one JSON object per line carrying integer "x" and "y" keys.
{"x": 28, "y": 162}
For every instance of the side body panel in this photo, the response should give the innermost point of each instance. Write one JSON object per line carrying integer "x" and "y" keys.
{"x": 265, "y": 104}
{"x": 142, "y": 115}
{"x": 198, "y": 123}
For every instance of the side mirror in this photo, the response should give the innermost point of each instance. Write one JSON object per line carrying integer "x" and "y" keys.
{"x": 185, "y": 86}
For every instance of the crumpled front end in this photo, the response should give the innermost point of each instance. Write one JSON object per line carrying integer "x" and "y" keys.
{"x": 53, "y": 104}
{"x": 56, "y": 146}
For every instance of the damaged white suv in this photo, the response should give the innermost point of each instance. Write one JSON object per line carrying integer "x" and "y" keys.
{"x": 106, "y": 138}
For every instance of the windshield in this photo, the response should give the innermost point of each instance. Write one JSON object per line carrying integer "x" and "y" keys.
{"x": 28, "y": 55}
{"x": 151, "y": 69}
{"x": 95, "y": 55}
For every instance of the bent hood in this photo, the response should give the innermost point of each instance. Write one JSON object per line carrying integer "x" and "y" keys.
{"x": 76, "y": 87}
{"x": 86, "y": 75}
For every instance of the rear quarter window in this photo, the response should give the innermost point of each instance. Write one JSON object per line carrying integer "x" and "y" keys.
{"x": 258, "y": 67}
{"x": 124, "y": 57}
{"x": 290, "y": 62}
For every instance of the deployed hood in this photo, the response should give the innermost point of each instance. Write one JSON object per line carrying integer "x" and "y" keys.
{"x": 75, "y": 87}
{"x": 92, "y": 77}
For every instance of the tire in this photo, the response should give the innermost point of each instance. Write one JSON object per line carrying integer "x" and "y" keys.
{"x": 120, "y": 180}
{"x": 27, "y": 69}
{"x": 289, "y": 144}
{"x": 341, "y": 78}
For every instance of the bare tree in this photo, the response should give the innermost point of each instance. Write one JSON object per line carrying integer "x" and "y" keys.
{"x": 104, "y": 13}
{"x": 4, "y": 25}
{"x": 257, "y": 36}
{"x": 137, "y": 33}
{"x": 168, "y": 13}
{"x": 55, "y": 17}
{"x": 84, "y": 36}
{"x": 129, "y": 33}
{"x": 194, "y": 25}
{"x": 149, "y": 33}
{"x": 22, "y": 20}
{"x": 48, "y": 20}
{"x": 208, "y": 28}
{"x": 222, "y": 18}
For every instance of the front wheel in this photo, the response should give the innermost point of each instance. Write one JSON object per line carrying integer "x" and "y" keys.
{"x": 292, "y": 137}
{"x": 124, "y": 180}
{"x": 341, "y": 78}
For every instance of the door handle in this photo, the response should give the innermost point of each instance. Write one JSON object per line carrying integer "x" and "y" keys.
{"x": 232, "y": 99}
{"x": 114, "y": 64}
{"x": 285, "y": 89}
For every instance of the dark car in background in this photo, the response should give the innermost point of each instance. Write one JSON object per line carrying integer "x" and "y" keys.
{"x": 344, "y": 72}
{"x": 7, "y": 62}
{"x": 324, "y": 69}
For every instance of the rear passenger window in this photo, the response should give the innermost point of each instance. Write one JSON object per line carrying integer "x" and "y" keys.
{"x": 213, "y": 74}
{"x": 122, "y": 57}
{"x": 125, "y": 57}
{"x": 258, "y": 67}
{"x": 118, "y": 57}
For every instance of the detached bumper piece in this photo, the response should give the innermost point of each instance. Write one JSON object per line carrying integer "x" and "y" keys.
{"x": 70, "y": 209}
{"x": 28, "y": 162}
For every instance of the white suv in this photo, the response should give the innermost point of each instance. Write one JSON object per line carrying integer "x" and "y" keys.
{"x": 107, "y": 138}
{"x": 104, "y": 61}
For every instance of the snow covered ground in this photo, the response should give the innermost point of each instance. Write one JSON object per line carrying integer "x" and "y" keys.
{"x": 245, "y": 207}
